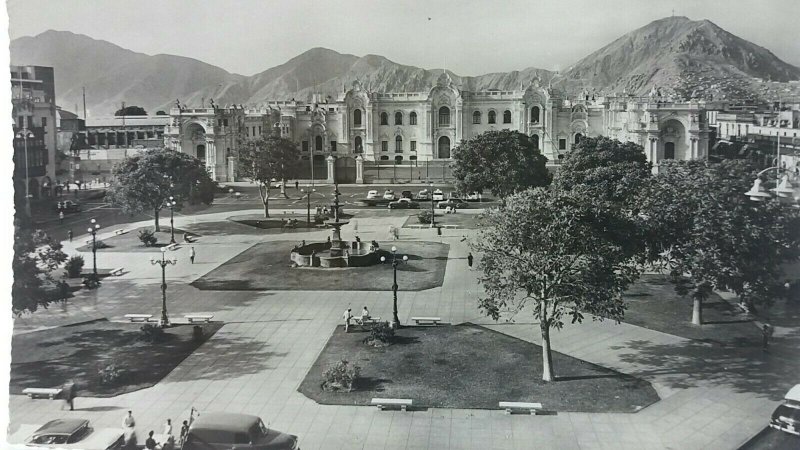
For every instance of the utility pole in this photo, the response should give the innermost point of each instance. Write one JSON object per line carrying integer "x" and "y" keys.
{"x": 84, "y": 103}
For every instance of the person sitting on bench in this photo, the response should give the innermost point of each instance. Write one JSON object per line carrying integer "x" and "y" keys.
{"x": 364, "y": 315}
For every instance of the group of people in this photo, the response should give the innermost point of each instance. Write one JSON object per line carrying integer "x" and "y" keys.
{"x": 348, "y": 317}
{"x": 170, "y": 442}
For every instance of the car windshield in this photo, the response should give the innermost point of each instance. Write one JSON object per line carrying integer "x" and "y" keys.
{"x": 50, "y": 439}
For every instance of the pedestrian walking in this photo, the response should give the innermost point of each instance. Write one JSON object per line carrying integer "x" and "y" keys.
{"x": 75, "y": 192}
{"x": 191, "y": 254}
{"x": 184, "y": 432}
{"x": 296, "y": 185}
{"x": 69, "y": 234}
{"x": 168, "y": 428}
{"x": 61, "y": 217}
{"x": 469, "y": 260}
{"x": 128, "y": 425}
{"x": 70, "y": 391}
{"x": 347, "y": 316}
{"x": 766, "y": 333}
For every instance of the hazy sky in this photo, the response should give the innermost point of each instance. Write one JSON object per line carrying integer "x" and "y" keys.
{"x": 469, "y": 37}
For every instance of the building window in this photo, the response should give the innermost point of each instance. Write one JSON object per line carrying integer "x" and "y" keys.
{"x": 476, "y": 117}
{"x": 535, "y": 114}
{"x": 359, "y": 148}
{"x": 225, "y": 122}
{"x": 318, "y": 144}
{"x": 384, "y": 119}
{"x": 444, "y": 147}
{"x": 413, "y": 146}
{"x": 669, "y": 150}
{"x": 247, "y": 131}
{"x": 398, "y": 144}
{"x": 562, "y": 144}
{"x": 357, "y": 117}
{"x": 44, "y": 122}
{"x": 535, "y": 140}
{"x": 384, "y": 146}
{"x": 412, "y": 118}
{"x": 492, "y": 117}
{"x": 444, "y": 116}
{"x": 398, "y": 118}
{"x": 259, "y": 130}
{"x": 507, "y": 116}
{"x": 305, "y": 146}
{"x": 384, "y": 158}
{"x": 333, "y": 146}
{"x": 578, "y": 137}
{"x": 398, "y": 159}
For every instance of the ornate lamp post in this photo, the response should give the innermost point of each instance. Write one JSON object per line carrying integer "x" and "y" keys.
{"x": 26, "y": 134}
{"x": 307, "y": 191}
{"x": 395, "y": 263}
{"x": 171, "y": 204}
{"x": 163, "y": 262}
{"x": 433, "y": 210}
{"x": 93, "y": 228}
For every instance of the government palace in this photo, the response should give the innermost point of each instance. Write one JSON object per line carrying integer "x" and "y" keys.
{"x": 364, "y": 129}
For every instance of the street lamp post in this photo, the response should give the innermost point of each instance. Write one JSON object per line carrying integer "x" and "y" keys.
{"x": 171, "y": 203}
{"x": 25, "y": 134}
{"x": 308, "y": 192}
{"x": 433, "y": 210}
{"x": 163, "y": 262}
{"x": 395, "y": 263}
{"x": 93, "y": 228}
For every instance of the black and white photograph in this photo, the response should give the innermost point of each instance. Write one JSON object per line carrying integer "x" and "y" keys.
{"x": 401, "y": 225}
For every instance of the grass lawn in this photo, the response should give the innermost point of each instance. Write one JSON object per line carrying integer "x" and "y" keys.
{"x": 129, "y": 242}
{"x": 467, "y": 221}
{"x": 653, "y": 303}
{"x": 50, "y": 358}
{"x": 266, "y": 266}
{"x": 468, "y": 366}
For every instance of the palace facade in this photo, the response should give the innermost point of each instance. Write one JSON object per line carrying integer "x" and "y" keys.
{"x": 362, "y": 127}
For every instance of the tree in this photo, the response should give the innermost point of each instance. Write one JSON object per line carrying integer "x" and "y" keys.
{"x": 609, "y": 169}
{"x": 36, "y": 256}
{"x": 146, "y": 181}
{"x": 709, "y": 235}
{"x": 131, "y": 111}
{"x": 502, "y": 161}
{"x": 161, "y": 113}
{"x": 559, "y": 253}
{"x": 265, "y": 159}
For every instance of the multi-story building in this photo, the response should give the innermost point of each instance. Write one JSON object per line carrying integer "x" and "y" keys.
{"x": 362, "y": 128}
{"x": 35, "y": 135}
{"x": 760, "y": 130}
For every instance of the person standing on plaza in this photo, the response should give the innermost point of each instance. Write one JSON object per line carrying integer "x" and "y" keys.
{"x": 128, "y": 425}
{"x": 69, "y": 235}
{"x": 191, "y": 254}
{"x": 469, "y": 260}
{"x": 347, "y": 316}
{"x": 168, "y": 429}
{"x": 61, "y": 216}
{"x": 70, "y": 392}
{"x": 184, "y": 432}
{"x": 296, "y": 185}
{"x": 766, "y": 334}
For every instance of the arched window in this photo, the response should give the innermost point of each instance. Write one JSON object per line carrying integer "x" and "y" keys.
{"x": 384, "y": 119}
{"x": 412, "y": 118}
{"x": 357, "y": 117}
{"x": 359, "y": 148}
{"x": 669, "y": 150}
{"x": 398, "y": 159}
{"x": 507, "y": 116}
{"x": 578, "y": 137}
{"x": 201, "y": 152}
{"x": 384, "y": 158}
{"x": 444, "y": 147}
{"x": 492, "y": 117}
{"x": 318, "y": 144}
{"x": 476, "y": 117}
{"x": 535, "y": 141}
{"x": 398, "y": 144}
{"x": 535, "y": 114}
{"x": 398, "y": 118}
{"x": 444, "y": 116}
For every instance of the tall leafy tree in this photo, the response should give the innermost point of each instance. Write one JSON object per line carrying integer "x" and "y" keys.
{"x": 36, "y": 256}
{"x": 131, "y": 111}
{"x": 268, "y": 158}
{"x": 558, "y": 253}
{"x": 503, "y": 162}
{"x": 610, "y": 169}
{"x": 145, "y": 182}
{"x": 709, "y": 235}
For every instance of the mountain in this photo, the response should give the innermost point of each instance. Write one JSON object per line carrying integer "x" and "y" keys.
{"x": 682, "y": 56}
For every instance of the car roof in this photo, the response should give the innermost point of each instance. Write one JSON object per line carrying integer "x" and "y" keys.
{"x": 62, "y": 426}
{"x": 228, "y": 421}
{"x": 794, "y": 393}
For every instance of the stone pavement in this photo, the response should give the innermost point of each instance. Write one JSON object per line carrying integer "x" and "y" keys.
{"x": 712, "y": 397}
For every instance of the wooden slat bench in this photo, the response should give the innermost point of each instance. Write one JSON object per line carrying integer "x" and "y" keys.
{"x": 139, "y": 317}
{"x": 382, "y": 403}
{"x": 369, "y": 320}
{"x": 50, "y": 393}
{"x": 118, "y": 271}
{"x": 424, "y": 320}
{"x": 198, "y": 317}
{"x": 511, "y": 406}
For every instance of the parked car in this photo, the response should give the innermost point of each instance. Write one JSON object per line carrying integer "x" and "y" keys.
{"x": 67, "y": 206}
{"x": 407, "y": 194}
{"x": 388, "y": 195}
{"x": 787, "y": 416}
{"x": 474, "y": 196}
{"x": 424, "y": 195}
{"x": 452, "y": 203}
{"x": 70, "y": 433}
{"x": 403, "y": 203}
{"x": 276, "y": 184}
{"x": 224, "y": 431}
{"x": 371, "y": 195}
{"x": 438, "y": 195}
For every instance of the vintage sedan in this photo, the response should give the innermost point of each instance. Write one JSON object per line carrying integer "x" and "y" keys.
{"x": 70, "y": 434}
{"x": 404, "y": 203}
{"x": 388, "y": 195}
{"x": 453, "y": 203}
{"x": 787, "y": 416}
{"x": 438, "y": 195}
{"x": 224, "y": 431}
{"x": 372, "y": 195}
{"x": 424, "y": 195}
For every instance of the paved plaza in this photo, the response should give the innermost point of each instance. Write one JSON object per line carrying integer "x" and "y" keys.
{"x": 712, "y": 396}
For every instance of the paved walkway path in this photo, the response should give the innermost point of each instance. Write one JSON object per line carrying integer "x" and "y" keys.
{"x": 712, "y": 397}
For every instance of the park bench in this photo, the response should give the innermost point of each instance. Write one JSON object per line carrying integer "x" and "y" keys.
{"x": 417, "y": 226}
{"x": 511, "y": 406}
{"x": 199, "y": 317}
{"x": 450, "y": 227}
{"x": 382, "y": 403}
{"x": 172, "y": 246}
{"x": 139, "y": 317}
{"x": 118, "y": 271}
{"x": 50, "y": 393}
{"x": 369, "y": 320}
{"x": 426, "y": 320}
{"x": 120, "y": 231}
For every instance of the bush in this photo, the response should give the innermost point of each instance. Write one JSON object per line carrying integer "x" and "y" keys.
{"x": 380, "y": 335}
{"x": 151, "y": 333}
{"x": 60, "y": 292}
{"x": 110, "y": 374}
{"x": 425, "y": 217}
{"x": 340, "y": 376}
{"x": 148, "y": 238}
{"x": 74, "y": 266}
{"x": 91, "y": 281}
